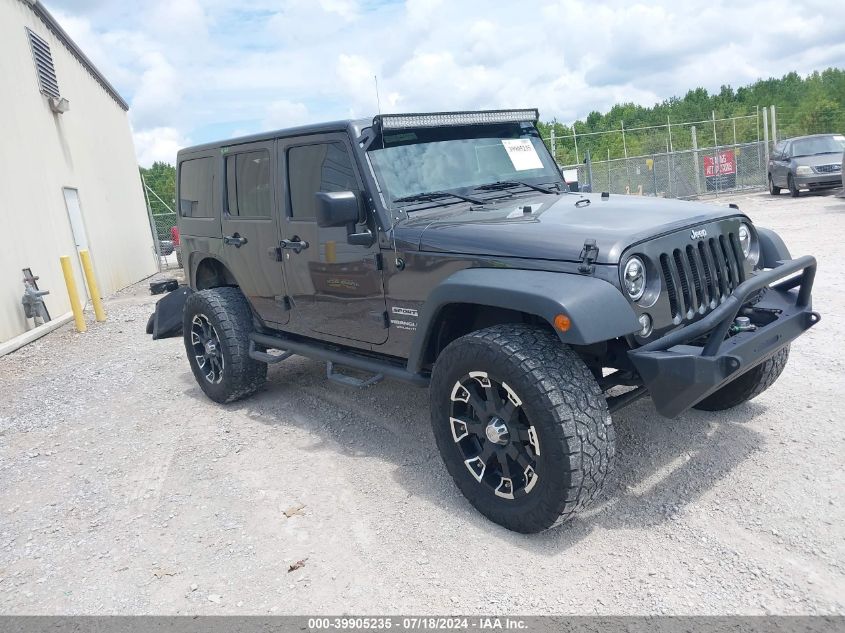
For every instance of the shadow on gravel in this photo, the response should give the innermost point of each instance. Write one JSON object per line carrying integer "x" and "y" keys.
{"x": 662, "y": 465}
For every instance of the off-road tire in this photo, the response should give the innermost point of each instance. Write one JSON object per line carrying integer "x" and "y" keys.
{"x": 749, "y": 385}
{"x": 560, "y": 398}
{"x": 229, "y": 313}
{"x": 793, "y": 190}
{"x": 775, "y": 191}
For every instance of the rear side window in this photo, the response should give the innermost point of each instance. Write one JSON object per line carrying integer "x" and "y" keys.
{"x": 248, "y": 192}
{"x": 319, "y": 167}
{"x": 195, "y": 187}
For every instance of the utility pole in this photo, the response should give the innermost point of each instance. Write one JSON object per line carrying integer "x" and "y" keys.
{"x": 552, "y": 143}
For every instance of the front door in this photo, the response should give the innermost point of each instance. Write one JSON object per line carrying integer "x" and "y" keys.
{"x": 336, "y": 287}
{"x": 250, "y": 223}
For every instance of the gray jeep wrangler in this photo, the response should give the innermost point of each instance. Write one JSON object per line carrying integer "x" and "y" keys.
{"x": 445, "y": 250}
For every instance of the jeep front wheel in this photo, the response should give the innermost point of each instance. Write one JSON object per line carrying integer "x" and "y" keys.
{"x": 522, "y": 426}
{"x": 216, "y": 327}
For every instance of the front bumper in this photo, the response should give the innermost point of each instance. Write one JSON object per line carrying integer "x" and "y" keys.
{"x": 690, "y": 363}
{"x": 819, "y": 181}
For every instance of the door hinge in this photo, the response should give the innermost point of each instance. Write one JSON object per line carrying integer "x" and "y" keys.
{"x": 275, "y": 253}
{"x": 381, "y": 317}
{"x": 379, "y": 259}
{"x": 589, "y": 254}
{"x": 285, "y": 302}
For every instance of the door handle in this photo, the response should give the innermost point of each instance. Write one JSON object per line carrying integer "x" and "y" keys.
{"x": 296, "y": 245}
{"x": 235, "y": 240}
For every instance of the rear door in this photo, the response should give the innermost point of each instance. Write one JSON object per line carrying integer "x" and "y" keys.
{"x": 336, "y": 286}
{"x": 250, "y": 225}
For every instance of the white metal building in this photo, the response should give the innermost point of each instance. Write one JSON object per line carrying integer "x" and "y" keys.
{"x": 68, "y": 173}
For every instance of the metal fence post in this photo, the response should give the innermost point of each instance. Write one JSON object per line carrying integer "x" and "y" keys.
{"x": 774, "y": 126}
{"x": 625, "y": 150}
{"x": 766, "y": 136}
{"x": 589, "y": 162}
{"x": 669, "y": 158}
{"x": 575, "y": 138}
{"x": 552, "y": 143}
{"x": 715, "y": 142}
{"x": 669, "y": 146}
{"x": 695, "y": 159}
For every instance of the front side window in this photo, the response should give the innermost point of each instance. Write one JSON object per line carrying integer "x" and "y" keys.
{"x": 314, "y": 168}
{"x": 248, "y": 188}
{"x": 460, "y": 158}
{"x": 195, "y": 188}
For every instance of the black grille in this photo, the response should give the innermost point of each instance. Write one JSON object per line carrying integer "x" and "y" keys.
{"x": 702, "y": 275}
{"x": 44, "y": 65}
{"x": 834, "y": 168}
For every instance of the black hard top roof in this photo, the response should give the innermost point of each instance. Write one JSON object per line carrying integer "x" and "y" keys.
{"x": 354, "y": 126}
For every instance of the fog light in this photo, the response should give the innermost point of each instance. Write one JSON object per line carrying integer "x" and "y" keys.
{"x": 645, "y": 322}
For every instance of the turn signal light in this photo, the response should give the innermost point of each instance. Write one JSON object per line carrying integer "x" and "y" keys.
{"x": 562, "y": 323}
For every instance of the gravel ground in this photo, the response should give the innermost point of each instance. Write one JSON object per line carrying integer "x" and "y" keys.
{"x": 124, "y": 490}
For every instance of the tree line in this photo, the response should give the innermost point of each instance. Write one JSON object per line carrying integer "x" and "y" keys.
{"x": 804, "y": 105}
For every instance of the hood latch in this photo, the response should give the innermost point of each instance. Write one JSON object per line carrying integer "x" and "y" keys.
{"x": 589, "y": 254}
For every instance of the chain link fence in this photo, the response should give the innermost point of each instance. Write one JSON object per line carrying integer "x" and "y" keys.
{"x": 681, "y": 174}
{"x": 163, "y": 223}
{"x": 673, "y": 160}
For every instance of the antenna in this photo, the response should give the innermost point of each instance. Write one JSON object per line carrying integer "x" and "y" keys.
{"x": 378, "y": 100}
{"x": 393, "y": 218}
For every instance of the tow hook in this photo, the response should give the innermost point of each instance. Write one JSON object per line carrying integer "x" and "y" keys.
{"x": 742, "y": 324}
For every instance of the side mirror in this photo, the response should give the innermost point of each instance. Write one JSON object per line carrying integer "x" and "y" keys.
{"x": 337, "y": 208}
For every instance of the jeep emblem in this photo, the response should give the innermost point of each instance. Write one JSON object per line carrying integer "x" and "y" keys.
{"x": 700, "y": 234}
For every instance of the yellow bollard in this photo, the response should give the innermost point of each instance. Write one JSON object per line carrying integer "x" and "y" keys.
{"x": 88, "y": 269}
{"x": 72, "y": 294}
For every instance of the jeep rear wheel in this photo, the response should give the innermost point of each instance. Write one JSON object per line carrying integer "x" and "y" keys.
{"x": 522, "y": 426}
{"x": 775, "y": 191}
{"x": 216, "y": 328}
{"x": 749, "y": 385}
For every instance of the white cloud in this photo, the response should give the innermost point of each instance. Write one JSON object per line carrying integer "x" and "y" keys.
{"x": 158, "y": 144}
{"x": 283, "y": 113}
{"x": 204, "y": 69}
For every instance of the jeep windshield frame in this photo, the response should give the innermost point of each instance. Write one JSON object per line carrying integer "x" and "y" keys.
{"x": 417, "y": 162}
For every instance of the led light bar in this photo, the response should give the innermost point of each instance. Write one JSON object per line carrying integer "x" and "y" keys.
{"x": 445, "y": 119}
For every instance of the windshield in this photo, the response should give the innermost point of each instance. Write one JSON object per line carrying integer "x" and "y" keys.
{"x": 818, "y": 145}
{"x": 425, "y": 160}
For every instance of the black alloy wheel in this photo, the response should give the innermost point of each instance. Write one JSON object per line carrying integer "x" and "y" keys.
{"x": 498, "y": 445}
{"x": 206, "y": 348}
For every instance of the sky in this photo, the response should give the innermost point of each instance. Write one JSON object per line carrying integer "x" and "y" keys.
{"x": 200, "y": 70}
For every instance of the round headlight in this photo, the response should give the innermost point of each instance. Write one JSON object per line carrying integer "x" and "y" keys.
{"x": 633, "y": 277}
{"x": 745, "y": 239}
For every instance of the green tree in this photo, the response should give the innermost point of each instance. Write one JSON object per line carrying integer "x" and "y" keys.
{"x": 161, "y": 178}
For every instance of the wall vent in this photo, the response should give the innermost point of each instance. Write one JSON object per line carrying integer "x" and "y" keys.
{"x": 44, "y": 65}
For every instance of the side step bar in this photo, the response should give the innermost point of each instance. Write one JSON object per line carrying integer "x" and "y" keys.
{"x": 317, "y": 352}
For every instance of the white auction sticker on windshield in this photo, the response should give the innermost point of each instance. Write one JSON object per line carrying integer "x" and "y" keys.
{"x": 522, "y": 153}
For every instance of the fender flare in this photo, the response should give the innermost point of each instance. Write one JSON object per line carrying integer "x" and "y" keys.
{"x": 196, "y": 259}
{"x": 772, "y": 248}
{"x": 597, "y": 309}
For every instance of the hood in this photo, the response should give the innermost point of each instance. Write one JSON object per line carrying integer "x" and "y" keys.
{"x": 815, "y": 160}
{"x": 552, "y": 227}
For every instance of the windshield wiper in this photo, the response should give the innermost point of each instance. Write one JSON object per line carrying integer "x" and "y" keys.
{"x": 510, "y": 184}
{"x": 435, "y": 195}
